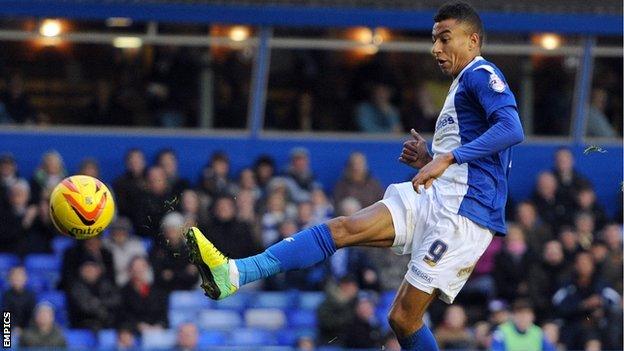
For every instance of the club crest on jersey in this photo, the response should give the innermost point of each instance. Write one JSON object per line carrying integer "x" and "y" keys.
{"x": 496, "y": 83}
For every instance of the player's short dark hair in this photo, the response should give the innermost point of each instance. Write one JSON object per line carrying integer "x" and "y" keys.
{"x": 462, "y": 12}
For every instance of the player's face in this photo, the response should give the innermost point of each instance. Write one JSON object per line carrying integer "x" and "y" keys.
{"x": 454, "y": 45}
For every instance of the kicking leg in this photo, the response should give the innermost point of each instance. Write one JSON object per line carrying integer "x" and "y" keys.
{"x": 406, "y": 318}
{"x": 221, "y": 276}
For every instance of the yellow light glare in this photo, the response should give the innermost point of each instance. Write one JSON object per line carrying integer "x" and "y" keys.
{"x": 118, "y": 22}
{"x": 364, "y": 35}
{"x": 127, "y": 42}
{"x": 239, "y": 33}
{"x": 50, "y": 28}
{"x": 550, "y": 41}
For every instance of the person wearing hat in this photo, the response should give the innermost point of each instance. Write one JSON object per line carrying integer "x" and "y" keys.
{"x": 520, "y": 333}
{"x": 123, "y": 245}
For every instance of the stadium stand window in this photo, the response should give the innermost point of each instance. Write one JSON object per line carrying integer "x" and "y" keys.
{"x": 604, "y": 113}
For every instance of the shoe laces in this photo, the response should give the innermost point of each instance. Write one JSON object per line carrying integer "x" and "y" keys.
{"x": 215, "y": 252}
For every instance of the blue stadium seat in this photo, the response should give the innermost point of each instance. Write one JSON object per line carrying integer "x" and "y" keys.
{"x": 158, "y": 339}
{"x": 44, "y": 265}
{"x": 193, "y": 300}
{"x": 282, "y": 300}
{"x": 251, "y": 337}
{"x": 38, "y": 283}
{"x": 310, "y": 300}
{"x": 177, "y": 317}
{"x": 302, "y": 319}
{"x": 219, "y": 319}
{"x": 60, "y": 244}
{"x": 147, "y": 243}
{"x": 80, "y": 339}
{"x": 107, "y": 339}
{"x": 7, "y": 261}
{"x": 211, "y": 338}
{"x": 289, "y": 337}
{"x": 265, "y": 318}
{"x": 237, "y": 302}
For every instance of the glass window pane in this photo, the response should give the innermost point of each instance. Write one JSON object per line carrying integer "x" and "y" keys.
{"x": 604, "y": 115}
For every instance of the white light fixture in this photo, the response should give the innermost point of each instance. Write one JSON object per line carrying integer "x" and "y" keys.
{"x": 550, "y": 41}
{"x": 118, "y": 22}
{"x": 127, "y": 42}
{"x": 50, "y": 28}
{"x": 239, "y": 33}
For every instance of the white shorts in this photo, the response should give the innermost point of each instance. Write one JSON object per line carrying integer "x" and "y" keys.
{"x": 444, "y": 246}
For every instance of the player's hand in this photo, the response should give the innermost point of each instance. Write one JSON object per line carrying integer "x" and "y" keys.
{"x": 432, "y": 170}
{"x": 415, "y": 153}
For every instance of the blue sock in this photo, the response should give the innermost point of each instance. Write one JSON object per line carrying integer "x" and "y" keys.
{"x": 421, "y": 340}
{"x": 302, "y": 250}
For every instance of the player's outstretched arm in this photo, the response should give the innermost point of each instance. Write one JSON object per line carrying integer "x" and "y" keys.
{"x": 415, "y": 152}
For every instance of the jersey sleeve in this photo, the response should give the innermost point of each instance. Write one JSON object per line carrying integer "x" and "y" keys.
{"x": 489, "y": 88}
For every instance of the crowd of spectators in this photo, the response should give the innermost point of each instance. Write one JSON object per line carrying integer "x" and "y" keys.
{"x": 556, "y": 278}
{"x": 307, "y": 91}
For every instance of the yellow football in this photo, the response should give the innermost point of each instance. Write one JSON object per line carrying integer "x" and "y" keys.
{"x": 81, "y": 207}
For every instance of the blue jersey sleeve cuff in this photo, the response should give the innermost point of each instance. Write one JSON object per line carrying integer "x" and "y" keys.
{"x": 457, "y": 157}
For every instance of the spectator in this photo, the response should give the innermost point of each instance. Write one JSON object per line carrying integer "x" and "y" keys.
{"x": 537, "y": 232}
{"x": 569, "y": 241}
{"x": 584, "y": 224}
{"x": 568, "y": 178}
{"x": 481, "y": 286}
{"x": 17, "y": 102}
{"x": 586, "y": 202}
{"x": 551, "y": 333}
{"x": 305, "y": 215}
{"x": 247, "y": 182}
{"x": 378, "y": 115}
{"x": 123, "y": 246}
{"x": 171, "y": 272}
{"x": 482, "y": 335}
{"x": 92, "y": 300}
{"x": 322, "y": 208}
{"x": 131, "y": 184}
{"x": 365, "y": 331}
{"x": 337, "y": 312}
{"x": 587, "y": 306}
{"x": 144, "y": 306}
{"x": 231, "y": 236}
{"x": 215, "y": 180}
{"x": 453, "y": 332}
{"x": 17, "y": 219}
{"x": 126, "y": 339}
{"x": 86, "y": 250}
{"x": 357, "y": 182}
{"x": 391, "y": 343}
{"x": 612, "y": 236}
{"x": 597, "y": 124}
{"x": 305, "y": 343}
{"x": 608, "y": 267}
{"x": 18, "y": 299}
{"x": 43, "y": 332}
{"x": 168, "y": 161}
{"x": 499, "y": 312}
{"x": 42, "y": 231}
{"x": 154, "y": 203}
{"x": 90, "y": 167}
{"x": 8, "y": 176}
{"x": 551, "y": 209}
{"x": 520, "y": 333}
{"x": 277, "y": 212}
{"x": 419, "y": 109}
{"x": 299, "y": 177}
{"x": 49, "y": 173}
{"x": 264, "y": 169}
{"x": 545, "y": 278}
{"x": 194, "y": 212}
{"x": 187, "y": 338}
{"x": 511, "y": 266}
{"x": 246, "y": 204}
